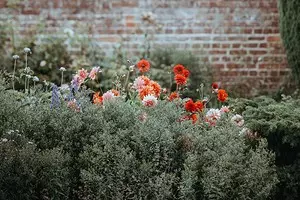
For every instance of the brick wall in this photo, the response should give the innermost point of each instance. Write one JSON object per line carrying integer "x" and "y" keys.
{"x": 239, "y": 38}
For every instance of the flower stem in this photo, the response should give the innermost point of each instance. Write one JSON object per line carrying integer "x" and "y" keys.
{"x": 13, "y": 78}
{"x": 28, "y": 84}
{"x": 26, "y": 60}
{"x": 126, "y": 82}
{"x": 62, "y": 78}
{"x": 25, "y": 84}
{"x": 171, "y": 82}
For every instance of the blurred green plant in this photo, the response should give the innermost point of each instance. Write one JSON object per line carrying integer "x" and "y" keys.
{"x": 289, "y": 29}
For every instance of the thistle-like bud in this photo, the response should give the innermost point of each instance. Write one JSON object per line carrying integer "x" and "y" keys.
{"x": 62, "y": 69}
{"x": 35, "y": 79}
{"x": 27, "y": 50}
{"x": 16, "y": 57}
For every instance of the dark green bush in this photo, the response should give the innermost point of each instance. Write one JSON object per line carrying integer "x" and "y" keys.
{"x": 28, "y": 173}
{"x": 290, "y": 32}
{"x": 279, "y": 123}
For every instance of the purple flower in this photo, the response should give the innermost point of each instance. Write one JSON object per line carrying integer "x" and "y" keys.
{"x": 55, "y": 101}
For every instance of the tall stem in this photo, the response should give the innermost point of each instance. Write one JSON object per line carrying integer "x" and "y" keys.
{"x": 28, "y": 84}
{"x": 62, "y": 78}
{"x": 171, "y": 82}
{"x": 13, "y": 78}
{"x": 26, "y": 60}
{"x": 126, "y": 82}
{"x": 25, "y": 84}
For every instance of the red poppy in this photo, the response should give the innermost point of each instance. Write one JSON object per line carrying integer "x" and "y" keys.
{"x": 222, "y": 95}
{"x": 180, "y": 79}
{"x": 143, "y": 65}
{"x": 178, "y": 69}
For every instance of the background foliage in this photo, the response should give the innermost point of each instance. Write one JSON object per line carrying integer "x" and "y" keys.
{"x": 290, "y": 29}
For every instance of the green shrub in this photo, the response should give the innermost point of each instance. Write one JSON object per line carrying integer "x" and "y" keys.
{"x": 110, "y": 152}
{"x": 290, "y": 32}
{"x": 221, "y": 166}
{"x": 279, "y": 123}
{"x": 28, "y": 173}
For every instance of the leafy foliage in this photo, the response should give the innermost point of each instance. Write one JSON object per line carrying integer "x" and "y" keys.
{"x": 289, "y": 28}
{"x": 220, "y": 163}
{"x": 111, "y": 152}
{"x": 279, "y": 123}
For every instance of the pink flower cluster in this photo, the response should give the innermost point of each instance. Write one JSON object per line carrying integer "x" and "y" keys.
{"x": 83, "y": 74}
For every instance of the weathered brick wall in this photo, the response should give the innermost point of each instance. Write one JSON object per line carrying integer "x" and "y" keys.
{"x": 239, "y": 38}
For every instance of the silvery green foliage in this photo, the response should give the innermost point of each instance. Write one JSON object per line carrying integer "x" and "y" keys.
{"x": 118, "y": 152}
{"x": 132, "y": 159}
{"x": 28, "y": 173}
{"x": 222, "y": 166}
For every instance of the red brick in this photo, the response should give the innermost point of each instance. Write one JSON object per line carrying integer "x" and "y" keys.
{"x": 257, "y": 52}
{"x": 251, "y": 45}
{"x": 246, "y": 48}
{"x": 238, "y": 52}
{"x": 253, "y": 73}
{"x": 263, "y": 45}
{"x": 256, "y": 38}
{"x": 217, "y": 52}
{"x": 236, "y": 45}
{"x": 273, "y": 39}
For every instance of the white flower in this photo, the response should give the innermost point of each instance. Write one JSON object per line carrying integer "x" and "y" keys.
{"x": 16, "y": 57}
{"x": 149, "y": 101}
{"x": 27, "y": 50}
{"x": 62, "y": 69}
{"x": 238, "y": 120}
{"x": 28, "y": 76}
{"x": 35, "y": 79}
{"x": 212, "y": 116}
{"x": 43, "y": 63}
